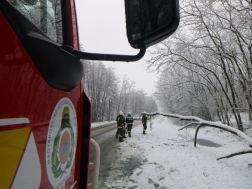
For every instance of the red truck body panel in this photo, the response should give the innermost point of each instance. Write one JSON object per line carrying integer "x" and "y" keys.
{"x": 40, "y": 149}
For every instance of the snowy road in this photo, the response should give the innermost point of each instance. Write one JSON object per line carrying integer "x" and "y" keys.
{"x": 105, "y": 137}
{"x": 166, "y": 158}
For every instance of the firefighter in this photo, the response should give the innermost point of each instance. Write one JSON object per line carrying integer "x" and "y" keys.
{"x": 129, "y": 121}
{"x": 120, "y": 126}
{"x": 144, "y": 122}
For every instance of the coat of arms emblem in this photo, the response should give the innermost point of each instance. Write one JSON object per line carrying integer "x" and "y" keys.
{"x": 61, "y": 143}
{"x": 63, "y": 146}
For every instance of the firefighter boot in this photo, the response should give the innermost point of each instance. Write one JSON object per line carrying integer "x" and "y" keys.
{"x": 129, "y": 134}
{"x": 121, "y": 139}
{"x": 143, "y": 132}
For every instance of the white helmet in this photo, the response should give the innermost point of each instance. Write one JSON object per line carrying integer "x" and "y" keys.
{"x": 121, "y": 113}
{"x": 129, "y": 113}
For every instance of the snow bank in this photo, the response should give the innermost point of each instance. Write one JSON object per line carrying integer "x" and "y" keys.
{"x": 201, "y": 122}
{"x": 166, "y": 158}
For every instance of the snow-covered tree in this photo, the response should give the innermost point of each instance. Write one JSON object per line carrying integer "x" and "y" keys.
{"x": 206, "y": 65}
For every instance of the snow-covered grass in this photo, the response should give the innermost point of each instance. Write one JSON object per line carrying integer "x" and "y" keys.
{"x": 166, "y": 158}
{"x": 198, "y": 121}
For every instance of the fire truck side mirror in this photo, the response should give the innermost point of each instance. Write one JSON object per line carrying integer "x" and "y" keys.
{"x": 150, "y": 21}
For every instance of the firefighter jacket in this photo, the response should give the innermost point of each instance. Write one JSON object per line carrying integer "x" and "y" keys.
{"x": 120, "y": 121}
{"x": 144, "y": 119}
{"x": 129, "y": 120}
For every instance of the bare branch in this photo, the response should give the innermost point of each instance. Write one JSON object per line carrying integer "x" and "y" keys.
{"x": 235, "y": 154}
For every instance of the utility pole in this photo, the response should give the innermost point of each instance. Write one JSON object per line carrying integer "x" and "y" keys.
{"x": 151, "y": 112}
{"x": 249, "y": 74}
{"x": 150, "y": 122}
{"x": 250, "y": 63}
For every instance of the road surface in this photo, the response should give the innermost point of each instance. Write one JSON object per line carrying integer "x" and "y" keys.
{"x": 105, "y": 137}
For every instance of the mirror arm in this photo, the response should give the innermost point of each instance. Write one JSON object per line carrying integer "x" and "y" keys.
{"x": 105, "y": 57}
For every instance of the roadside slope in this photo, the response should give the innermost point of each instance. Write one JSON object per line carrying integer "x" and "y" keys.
{"x": 166, "y": 158}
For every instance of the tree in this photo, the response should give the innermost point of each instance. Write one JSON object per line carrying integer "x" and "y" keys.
{"x": 211, "y": 46}
{"x": 100, "y": 84}
{"x": 123, "y": 97}
{"x": 108, "y": 95}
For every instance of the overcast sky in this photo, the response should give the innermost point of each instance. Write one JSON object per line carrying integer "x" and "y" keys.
{"x": 102, "y": 29}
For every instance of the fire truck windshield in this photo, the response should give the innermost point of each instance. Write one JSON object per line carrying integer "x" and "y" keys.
{"x": 46, "y": 15}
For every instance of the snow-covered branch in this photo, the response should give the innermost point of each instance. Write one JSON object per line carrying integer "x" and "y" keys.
{"x": 204, "y": 123}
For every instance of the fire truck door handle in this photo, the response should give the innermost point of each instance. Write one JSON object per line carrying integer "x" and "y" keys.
{"x": 95, "y": 165}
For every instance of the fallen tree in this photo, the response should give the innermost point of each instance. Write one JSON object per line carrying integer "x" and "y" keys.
{"x": 199, "y": 123}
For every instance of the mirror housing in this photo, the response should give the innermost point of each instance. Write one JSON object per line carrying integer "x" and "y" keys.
{"x": 150, "y": 21}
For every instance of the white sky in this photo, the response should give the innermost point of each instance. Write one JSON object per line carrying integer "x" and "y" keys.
{"x": 102, "y": 29}
{"x": 172, "y": 162}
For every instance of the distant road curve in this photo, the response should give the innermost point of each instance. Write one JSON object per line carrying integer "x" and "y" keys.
{"x": 104, "y": 128}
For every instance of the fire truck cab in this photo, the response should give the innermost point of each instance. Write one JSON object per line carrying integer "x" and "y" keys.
{"x": 45, "y": 120}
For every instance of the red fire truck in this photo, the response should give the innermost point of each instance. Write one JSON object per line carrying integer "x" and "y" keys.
{"x": 44, "y": 111}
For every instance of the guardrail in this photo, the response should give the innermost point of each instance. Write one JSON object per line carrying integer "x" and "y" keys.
{"x": 99, "y": 126}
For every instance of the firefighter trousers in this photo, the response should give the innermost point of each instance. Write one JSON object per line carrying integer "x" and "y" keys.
{"x": 129, "y": 127}
{"x": 120, "y": 133}
{"x": 144, "y": 127}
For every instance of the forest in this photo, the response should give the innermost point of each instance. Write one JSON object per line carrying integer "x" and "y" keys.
{"x": 205, "y": 67}
{"x": 109, "y": 94}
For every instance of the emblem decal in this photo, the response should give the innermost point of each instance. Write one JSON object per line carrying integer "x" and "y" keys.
{"x": 61, "y": 143}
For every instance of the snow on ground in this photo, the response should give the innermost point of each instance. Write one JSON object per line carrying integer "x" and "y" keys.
{"x": 167, "y": 158}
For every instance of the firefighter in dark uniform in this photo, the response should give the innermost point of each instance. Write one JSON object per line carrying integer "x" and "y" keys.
{"x": 129, "y": 121}
{"x": 120, "y": 126}
{"x": 144, "y": 122}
